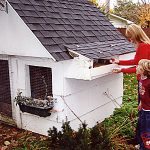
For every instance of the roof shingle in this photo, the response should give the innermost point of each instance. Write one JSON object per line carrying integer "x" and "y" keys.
{"x": 71, "y": 22}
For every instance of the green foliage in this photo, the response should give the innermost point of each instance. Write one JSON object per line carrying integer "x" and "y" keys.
{"x": 127, "y": 10}
{"x": 100, "y": 138}
{"x": 95, "y": 2}
{"x": 82, "y": 138}
{"x": 137, "y": 12}
{"x": 66, "y": 139}
{"x": 130, "y": 88}
{"x": 85, "y": 138}
{"x": 123, "y": 122}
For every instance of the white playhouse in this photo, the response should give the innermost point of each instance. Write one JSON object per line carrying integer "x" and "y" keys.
{"x": 69, "y": 43}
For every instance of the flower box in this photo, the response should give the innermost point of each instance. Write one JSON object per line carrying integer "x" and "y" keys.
{"x": 38, "y": 107}
{"x": 39, "y": 111}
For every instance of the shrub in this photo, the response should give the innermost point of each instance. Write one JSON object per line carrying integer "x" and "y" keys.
{"x": 85, "y": 138}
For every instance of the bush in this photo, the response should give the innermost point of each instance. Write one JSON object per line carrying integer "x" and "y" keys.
{"x": 85, "y": 138}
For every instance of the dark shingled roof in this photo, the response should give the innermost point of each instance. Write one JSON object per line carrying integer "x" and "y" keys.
{"x": 102, "y": 50}
{"x": 71, "y": 24}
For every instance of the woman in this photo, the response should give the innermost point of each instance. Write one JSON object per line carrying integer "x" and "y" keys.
{"x": 137, "y": 36}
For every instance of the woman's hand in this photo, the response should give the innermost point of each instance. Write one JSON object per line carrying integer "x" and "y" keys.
{"x": 114, "y": 61}
{"x": 116, "y": 70}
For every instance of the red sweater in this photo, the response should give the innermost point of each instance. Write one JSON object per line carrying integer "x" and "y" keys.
{"x": 142, "y": 52}
{"x": 144, "y": 91}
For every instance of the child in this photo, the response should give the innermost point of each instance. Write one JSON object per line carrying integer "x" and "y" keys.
{"x": 143, "y": 70}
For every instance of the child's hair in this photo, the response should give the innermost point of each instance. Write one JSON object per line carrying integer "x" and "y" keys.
{"x": 137, "y": 33}
{"x": 144, "y": 66}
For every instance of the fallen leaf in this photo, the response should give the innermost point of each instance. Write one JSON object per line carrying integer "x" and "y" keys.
{"x": 6, "y": 143}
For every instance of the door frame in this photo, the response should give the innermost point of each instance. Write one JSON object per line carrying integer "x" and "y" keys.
{"x": 3, "y": 117}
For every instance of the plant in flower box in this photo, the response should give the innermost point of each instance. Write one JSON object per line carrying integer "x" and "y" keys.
{"x": 38, "y": 107}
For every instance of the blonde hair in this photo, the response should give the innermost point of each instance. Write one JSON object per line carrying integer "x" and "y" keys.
{"x": 144, "y": 66}
{"x": 134, "y": 31}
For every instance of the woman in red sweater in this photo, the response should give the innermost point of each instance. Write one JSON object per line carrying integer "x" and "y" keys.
{"x": 137, "y": 36}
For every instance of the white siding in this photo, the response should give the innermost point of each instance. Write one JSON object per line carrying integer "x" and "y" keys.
{"x": 17, "y": 39}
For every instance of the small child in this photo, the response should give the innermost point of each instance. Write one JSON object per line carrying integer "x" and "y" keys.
{"x": 143, "y": 70}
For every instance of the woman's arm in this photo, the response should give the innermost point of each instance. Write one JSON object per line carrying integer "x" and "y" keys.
{"x": 129, "y": 70}
{"x": 127, "y": 62}
{"x": 140, "y": 53}
{"x": 124, "y": 70}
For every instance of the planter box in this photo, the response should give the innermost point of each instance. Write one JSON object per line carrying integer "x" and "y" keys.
{"x": 39, "y": 111}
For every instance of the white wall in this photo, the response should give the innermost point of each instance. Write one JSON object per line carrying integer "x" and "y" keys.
{"x": 16, "y": 38}
{"x": 19, "y": 78}
{"x": 90, "y": 100}
{"x": 85, "y": 98}
{"x": 93, "y": 100}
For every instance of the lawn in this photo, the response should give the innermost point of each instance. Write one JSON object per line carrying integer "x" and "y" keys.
{"x": 120, "y": 126}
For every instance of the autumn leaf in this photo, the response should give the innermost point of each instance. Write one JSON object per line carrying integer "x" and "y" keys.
{"x": 144, "y": 15}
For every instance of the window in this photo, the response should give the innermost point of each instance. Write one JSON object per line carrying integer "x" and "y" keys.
{"x": 40, "y": 82}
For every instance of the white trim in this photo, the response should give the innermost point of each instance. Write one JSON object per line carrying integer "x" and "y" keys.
{"x": 122, "y": 19}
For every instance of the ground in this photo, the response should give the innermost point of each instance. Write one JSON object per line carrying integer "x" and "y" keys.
{"x": 12, "y": 138}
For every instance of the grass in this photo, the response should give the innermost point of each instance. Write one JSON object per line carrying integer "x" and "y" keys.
{"x": 121, "y": 125}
